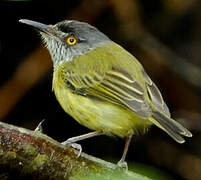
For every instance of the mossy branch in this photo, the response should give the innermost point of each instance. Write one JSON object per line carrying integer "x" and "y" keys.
{"x": 30, "y": 154}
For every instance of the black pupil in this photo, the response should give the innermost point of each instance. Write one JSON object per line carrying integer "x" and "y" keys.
{"x": 72, "y": 40}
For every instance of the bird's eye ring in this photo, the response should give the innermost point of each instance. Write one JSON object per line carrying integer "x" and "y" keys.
{"x": 71, "y": 40}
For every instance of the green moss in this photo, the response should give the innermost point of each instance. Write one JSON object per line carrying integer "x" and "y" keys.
{"x": 11, "y": 155}
{"x": 115, "y": 175}
{"x": 29, "y": 150}
{"x": 39, "y": 161}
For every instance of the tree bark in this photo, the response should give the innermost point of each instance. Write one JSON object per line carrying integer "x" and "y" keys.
{"x": 26, "y": 154}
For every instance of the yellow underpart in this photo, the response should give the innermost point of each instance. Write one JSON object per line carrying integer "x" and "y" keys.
{"x": 101, "y": 116}
{"x": 97, "y": 115}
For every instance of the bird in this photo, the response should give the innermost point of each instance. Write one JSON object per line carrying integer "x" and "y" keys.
{"x": 103, "y": 86}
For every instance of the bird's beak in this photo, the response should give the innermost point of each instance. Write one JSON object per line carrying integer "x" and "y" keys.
{"x": 39, "y": 26}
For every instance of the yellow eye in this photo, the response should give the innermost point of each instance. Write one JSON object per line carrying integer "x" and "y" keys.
{"x": 71, "y": 40}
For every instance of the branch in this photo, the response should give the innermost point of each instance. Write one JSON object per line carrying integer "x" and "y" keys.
{"x": 30, "y": 154}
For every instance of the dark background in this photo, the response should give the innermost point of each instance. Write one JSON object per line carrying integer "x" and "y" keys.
{"x": 165, "y": 36}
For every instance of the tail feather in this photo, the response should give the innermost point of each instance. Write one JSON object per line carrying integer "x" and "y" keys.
{"x": 173, "y": 128}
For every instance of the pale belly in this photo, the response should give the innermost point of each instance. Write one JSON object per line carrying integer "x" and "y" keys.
{"x": 101, "y": 116}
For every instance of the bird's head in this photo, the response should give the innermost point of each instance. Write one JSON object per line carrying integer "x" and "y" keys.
{"x": 67, "y": 40}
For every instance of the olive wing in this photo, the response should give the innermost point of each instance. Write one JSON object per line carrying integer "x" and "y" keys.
{"x": 155, "y": 95}
{"x": 115, "y": 86}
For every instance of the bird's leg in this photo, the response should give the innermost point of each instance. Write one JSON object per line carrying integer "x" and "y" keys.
{"x": 122, "y": 162}
{"x": 82, "y": 137}
{"x": 71, "y": 141}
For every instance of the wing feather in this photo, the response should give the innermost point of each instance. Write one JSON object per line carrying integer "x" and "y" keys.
{"x": 155, "y": 95}
{"x": 116, "y": 86}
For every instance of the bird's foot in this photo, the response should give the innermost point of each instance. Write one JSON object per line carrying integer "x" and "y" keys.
{"x": 71, "y": 141}
{"x": 123, "y": 165}
{"x": 73, "y": 145}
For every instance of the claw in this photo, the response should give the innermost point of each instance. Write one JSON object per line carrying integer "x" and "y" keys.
{"x": 78, "y": 147}
{"x": 39, "y": 128}
{"x": 71, "y": 141}
{"x": 73, "y": 145}
{"x": 123, "y": 165}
